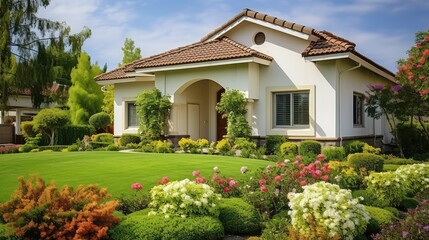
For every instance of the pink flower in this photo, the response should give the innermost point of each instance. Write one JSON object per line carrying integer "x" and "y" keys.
{"x": 232, "y": 183}
{"x": 200, "y": 180}
{"x": 278, "y": 178}
{"x": 325, "y": 178}
{"x": 301, "y": 165}
{"x": 262, "y": 181}
{"x": 317, "y": 162}
{"x": 264, "y": 188}
{"x": 424, "y": 92}
{"x": 196, "y": 173}
{"x": 136, "y": 186}
{"x": 296, "y": 163}
{"x": 281, "y": 164}
{"x": 303, "y": 183}
{"x": 320, "y": 157}
{"x": 165, "y": 180}
{"x": 243, "y": 169}
{"x": 426, "y": 39}
{"x": 298, "y": 157}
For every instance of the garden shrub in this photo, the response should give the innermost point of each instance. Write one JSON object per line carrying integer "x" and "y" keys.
{"x": 394, "y": 211}
{"x": 97, "y": 145}
{"x": 399, "y": 161}
{"x": 244, "y": 143}
{"x": 223, "y": 147}
{"x": 27, "y": 129}
{"x": 388, "y": 186}
{"x": 348, "y": 178}
{"x": 309, "y": 147}
{"x": 188, "y": 145}
{"x": 140, "y": 225}
{"x": 99, "y": 120}
{"x": 324, "y": 207}
{"x": 368, "y": 161}
{"x": 130, "y": 203}
{"x": 416, "y": 177}
{"x": 413, "y": 139}
{"x": 413, "y": 226}
{"x": 37, "y": 210}
{"x": 239, "y": 217}
{"x": 68, "y": 134}
{"x": 27, "y": 147}
{"x": 273, "y": 143}
{"x": 184, "y": 198}
{"x": 113, "y": 147}
{"x": 103, "y": 137}
{"x": 354, "y": 147}
{"x": 277, "y": 227}
{"x": 162, "y": 146}
{"x": 334, "y": 153}
{"x": 370, "y": 149}
{"x": 129, "y": 138}
{"x": 407, "y": 203}
{"x": 132, "y": 146}
{"x": 369, "y": 199}
{"x": 289, "y": 148}
{"x": 73, "y": 148}
{"x": 4, "y": 149}
{"x": 55, "y": 148}
{"x": 380, "y": 215}
{"x": 390, "y": 167}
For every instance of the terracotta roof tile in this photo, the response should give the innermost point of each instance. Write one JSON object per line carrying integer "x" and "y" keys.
{"x": 328, "y": 43}
{"x": 218, "y": 49}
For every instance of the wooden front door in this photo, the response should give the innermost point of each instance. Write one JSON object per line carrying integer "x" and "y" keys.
{"x": 221, "y": 123}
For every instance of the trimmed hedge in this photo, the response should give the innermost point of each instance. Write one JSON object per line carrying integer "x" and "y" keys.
{"x": 129, "y": 138}
{"x": 399, "y": 161}
{"x": 68, "y": 135}
{"x": 55, "y": 148}
{"x": 369, "y": 161}
{"x": 272, "y": 143}
{"x": 289, "y": 148}
{"x": 239, "y": 217}
{"x": 139, "y": 225}
{"x": 369, "y": 199}
{"x": 104, "y": 137}
{"x": 379, "y": 216}
{"x": 310, "y": 147}
{"x": 334, "y": 153}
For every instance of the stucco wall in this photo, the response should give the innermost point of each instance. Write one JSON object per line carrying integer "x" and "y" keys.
{"x": 126, "y": 92}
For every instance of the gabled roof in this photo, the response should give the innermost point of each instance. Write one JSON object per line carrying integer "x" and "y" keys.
{"x": 218, "y": 49}
{"x": 223, "y": 48}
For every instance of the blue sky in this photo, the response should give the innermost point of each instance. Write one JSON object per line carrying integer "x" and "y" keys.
{"x": 383, "y": 30}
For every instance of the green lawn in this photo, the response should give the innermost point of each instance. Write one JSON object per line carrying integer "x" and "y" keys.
{"x": 114, "y": 170}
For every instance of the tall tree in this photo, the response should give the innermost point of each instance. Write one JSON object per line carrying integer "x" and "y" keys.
{"x": 131, "y": 53}
{"x": 26, "y": 37}
{"x": 85, "y": 95}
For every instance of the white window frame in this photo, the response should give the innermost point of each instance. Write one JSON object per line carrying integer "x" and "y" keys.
{"x": 293, "y": 130}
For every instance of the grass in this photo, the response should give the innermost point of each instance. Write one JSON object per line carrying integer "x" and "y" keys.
{"x": 114, "y": 170}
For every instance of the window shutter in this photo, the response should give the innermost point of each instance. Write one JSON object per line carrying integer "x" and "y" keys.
{"x": 283, "y": 109}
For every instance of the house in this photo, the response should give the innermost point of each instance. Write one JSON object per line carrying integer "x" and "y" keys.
{"x": 299, "y": 82}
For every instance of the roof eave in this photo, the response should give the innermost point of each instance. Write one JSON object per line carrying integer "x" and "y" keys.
{"x": 203, "y": 64}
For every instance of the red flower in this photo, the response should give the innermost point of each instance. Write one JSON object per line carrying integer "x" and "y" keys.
{"x": 427, "y": 39}
{"x": 200, "y": 180}
{"x": 325, "y": 178}
{"x": 296, "y": 174}
{"x": 221, "y": 181}
{"x": 419, "y": 45}
{"x": 136, "y": 186}
{"x": 228, "y": 179}
{"x": 303, "y": 183}
{"x": 263, "y": 188}
{"x": 277, "y": 178}
{"x": 165, "y": 180}
{"x": 226, "y": 189}
{"x": 262, "y": 181}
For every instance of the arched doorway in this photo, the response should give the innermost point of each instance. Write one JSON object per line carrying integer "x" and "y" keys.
{"x": 221, "y": 123}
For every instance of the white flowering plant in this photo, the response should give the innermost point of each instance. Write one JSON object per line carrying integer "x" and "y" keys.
{"x": 184, "y": 198}
{"x": 333, "y": 210}
{"x": 416, "y": 176}
{"x": 388, "y": 186}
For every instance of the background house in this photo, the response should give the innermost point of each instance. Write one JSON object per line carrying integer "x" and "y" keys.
{"x": 299, "y": 82}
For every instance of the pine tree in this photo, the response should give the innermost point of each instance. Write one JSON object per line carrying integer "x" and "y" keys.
{"x": 85, "y": 95}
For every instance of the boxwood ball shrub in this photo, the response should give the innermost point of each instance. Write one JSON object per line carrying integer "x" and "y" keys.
{"x": 129, "y": 138}
{"x": 289, "y": 148}
{"x": 103, "y": 137}
{"x": 369, "y": 161}
{"x": 140, "y": 225}
{"x": 331, "y": 209}
{"x": 334, "y": 153}
{"x": 184, "y": 198}
{"x": 99, "y": 120}
{"x": 354, "y": 147}
{"x": 239, "y": 217}
{"x": 380, "y": 215}
{"x": 388, "y": 186}
{"x": 310, "y": 147}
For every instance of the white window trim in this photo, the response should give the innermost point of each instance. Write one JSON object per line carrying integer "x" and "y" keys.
{"x": 128, "y": 129}
{"x": 362, "y": 125}
{"x": 295, "y": 131}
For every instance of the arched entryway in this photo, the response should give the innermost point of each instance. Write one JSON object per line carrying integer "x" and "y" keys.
{"x": 194, "y": 111}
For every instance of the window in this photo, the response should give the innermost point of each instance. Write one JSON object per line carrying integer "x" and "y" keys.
{"x": 132, "y": 119}
{"x": 358, "y": 109}
{"x": 291, "y": 109}
{"x": 259, "y": 38}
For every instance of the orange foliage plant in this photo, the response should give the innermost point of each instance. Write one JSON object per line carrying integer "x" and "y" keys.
{"x": 41, "y": 211}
